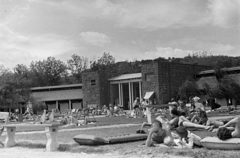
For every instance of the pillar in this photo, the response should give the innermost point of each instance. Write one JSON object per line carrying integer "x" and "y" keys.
{"x": 130, "y": 96}
{"x": 140, "y": 90}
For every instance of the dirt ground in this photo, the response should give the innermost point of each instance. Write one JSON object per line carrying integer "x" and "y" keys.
{"x": 20, "y": 152}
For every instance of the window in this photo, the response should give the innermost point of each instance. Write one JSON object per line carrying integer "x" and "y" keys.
{"x": 149, "y": 76}
{"x": 93, "y": 82}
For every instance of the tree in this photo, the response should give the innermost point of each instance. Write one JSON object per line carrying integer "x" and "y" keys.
{"x": 76, "y": 65}
{"x": 188, "y": 88}
{"x": 226, "y": 87}
{"x": 48, "y": 72}
{"x": 102, "y": 62}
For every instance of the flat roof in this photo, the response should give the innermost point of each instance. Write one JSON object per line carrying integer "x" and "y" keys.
{"x": 56, "y": 87}
{"x": 127, "y": 77}
{"x": 224, "y": 69}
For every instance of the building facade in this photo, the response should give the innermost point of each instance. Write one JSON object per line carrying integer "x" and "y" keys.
{"x": 63, "y": 97}
{"x": 209, "y": 77}
{"x": 123, "y": 82}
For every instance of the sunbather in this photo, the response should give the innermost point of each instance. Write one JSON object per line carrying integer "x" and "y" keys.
{"x": 159, "y": 133}
{"x": 183, "y": 121}
{"x": 187, "y": 139}
{"x": 230, "y": 130}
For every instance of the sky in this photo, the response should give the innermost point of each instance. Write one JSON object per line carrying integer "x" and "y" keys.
{"x": 32, "y": 30}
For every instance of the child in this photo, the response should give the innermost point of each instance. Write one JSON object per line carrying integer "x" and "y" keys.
{"x": 187, "y": 139}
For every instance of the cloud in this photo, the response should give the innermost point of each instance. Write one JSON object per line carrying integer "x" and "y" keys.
{"x": 225, "y": 13}
{"x": 166, "y": 52}
{"x": 18, "y": 49}
{"x": 216, "y": 48}
{"x": 95, "y": 38}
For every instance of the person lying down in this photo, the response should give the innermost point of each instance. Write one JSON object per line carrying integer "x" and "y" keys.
{"x": 160, "y": 133}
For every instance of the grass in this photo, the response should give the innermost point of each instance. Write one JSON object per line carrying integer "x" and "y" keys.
{"x": 38, "y": 140}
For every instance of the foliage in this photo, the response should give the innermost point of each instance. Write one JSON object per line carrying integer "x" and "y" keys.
{"x": 76, "y": 65}
{"x": 48, "y": 72}
{"x": 188, "y": 88}
{"x": 102, "y": 62}
{"x": 226, "y": 87}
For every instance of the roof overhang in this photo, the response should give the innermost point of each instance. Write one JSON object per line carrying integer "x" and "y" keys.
{"x": 135, "y": 77}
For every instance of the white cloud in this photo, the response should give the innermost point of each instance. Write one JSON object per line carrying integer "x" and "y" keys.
{"x": 18, "y": 49}
{"x": 166, "y": 52}
{"x": 226, "y": 13}
{"x": 95, "y": 38}
{"x": 216, "y": 48}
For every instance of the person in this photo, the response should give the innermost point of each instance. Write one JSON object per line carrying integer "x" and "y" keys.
{"x": 200, "y": 117}
{"x": 184, "y": 109}
{"x": 197, "y": 104}
{"x": 212, "y": 103}
{"x": 172, "y": 101}
{"x": 183, "y": 121}
{"x": 225, "y": 132}
{"x": 136, "y": 105}
{"x": 187, "y": 139}
{"x": 159, "y": 134}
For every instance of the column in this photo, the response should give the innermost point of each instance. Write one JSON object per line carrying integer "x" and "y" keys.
{"x": 140, "y": 90}
{"x": 130, "y": 96}
{"x": 57, "y": 105}
{"x": 131, "y": 83}
{"x": 69, "y": 104}
{"x": 119, "y": 94}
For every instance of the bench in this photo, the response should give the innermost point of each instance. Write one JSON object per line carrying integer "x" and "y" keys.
{"x": 51, "y": 132}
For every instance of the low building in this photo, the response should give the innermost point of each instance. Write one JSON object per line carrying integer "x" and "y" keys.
{"x": 209, "y": 77}
{"x": 63, "y": 97}
{"x": 123, "y": 82}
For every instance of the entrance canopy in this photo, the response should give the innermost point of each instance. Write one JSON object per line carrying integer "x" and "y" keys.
{"x": 148, "y": 95}
{"x": 135, "y": 77}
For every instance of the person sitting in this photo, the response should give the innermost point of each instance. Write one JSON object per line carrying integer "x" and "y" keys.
{"x": 116, "y": 110}
{"x": 225, "y": 132}
{"x": 200, "y": 117}
{"x": 187, "y": 139}
{"x": 197, "y": 104}
{"x": 184, "y": 109}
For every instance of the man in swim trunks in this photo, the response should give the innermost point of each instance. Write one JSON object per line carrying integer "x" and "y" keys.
{"x": 159, "y": 133}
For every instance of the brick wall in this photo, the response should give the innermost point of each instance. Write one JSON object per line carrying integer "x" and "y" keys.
{"x": 150, "y": 83}
{"x": 164, "y": 78}
{"x": 99, "y": 94}
{"x": 91, "y": 93}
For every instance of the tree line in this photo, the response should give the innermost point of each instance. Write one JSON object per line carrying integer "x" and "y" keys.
{"x": 15, "y": 84}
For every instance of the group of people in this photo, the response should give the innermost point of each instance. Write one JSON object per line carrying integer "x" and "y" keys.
{"x": 181, "y": 118}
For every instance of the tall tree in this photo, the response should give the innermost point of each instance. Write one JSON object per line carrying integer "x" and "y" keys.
{"x": 102, "y": 62}
{"x": 76, "y": 65}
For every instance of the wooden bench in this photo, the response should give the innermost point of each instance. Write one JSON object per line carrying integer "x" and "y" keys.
{"x": 51, "y": 132}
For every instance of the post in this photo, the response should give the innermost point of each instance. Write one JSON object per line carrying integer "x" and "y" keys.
{"x": 10, "y": 140}
{"x": 119, "y": 94}
{"x": 140, "y": 90}
{"x": 130, "y": 98}
{"x": 52, "y": 143}
{"x": 149, "y": 117}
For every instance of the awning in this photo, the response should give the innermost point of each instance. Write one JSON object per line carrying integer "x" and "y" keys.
{"x": 148, "y": 95}
{"x": 125, "y": 78}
